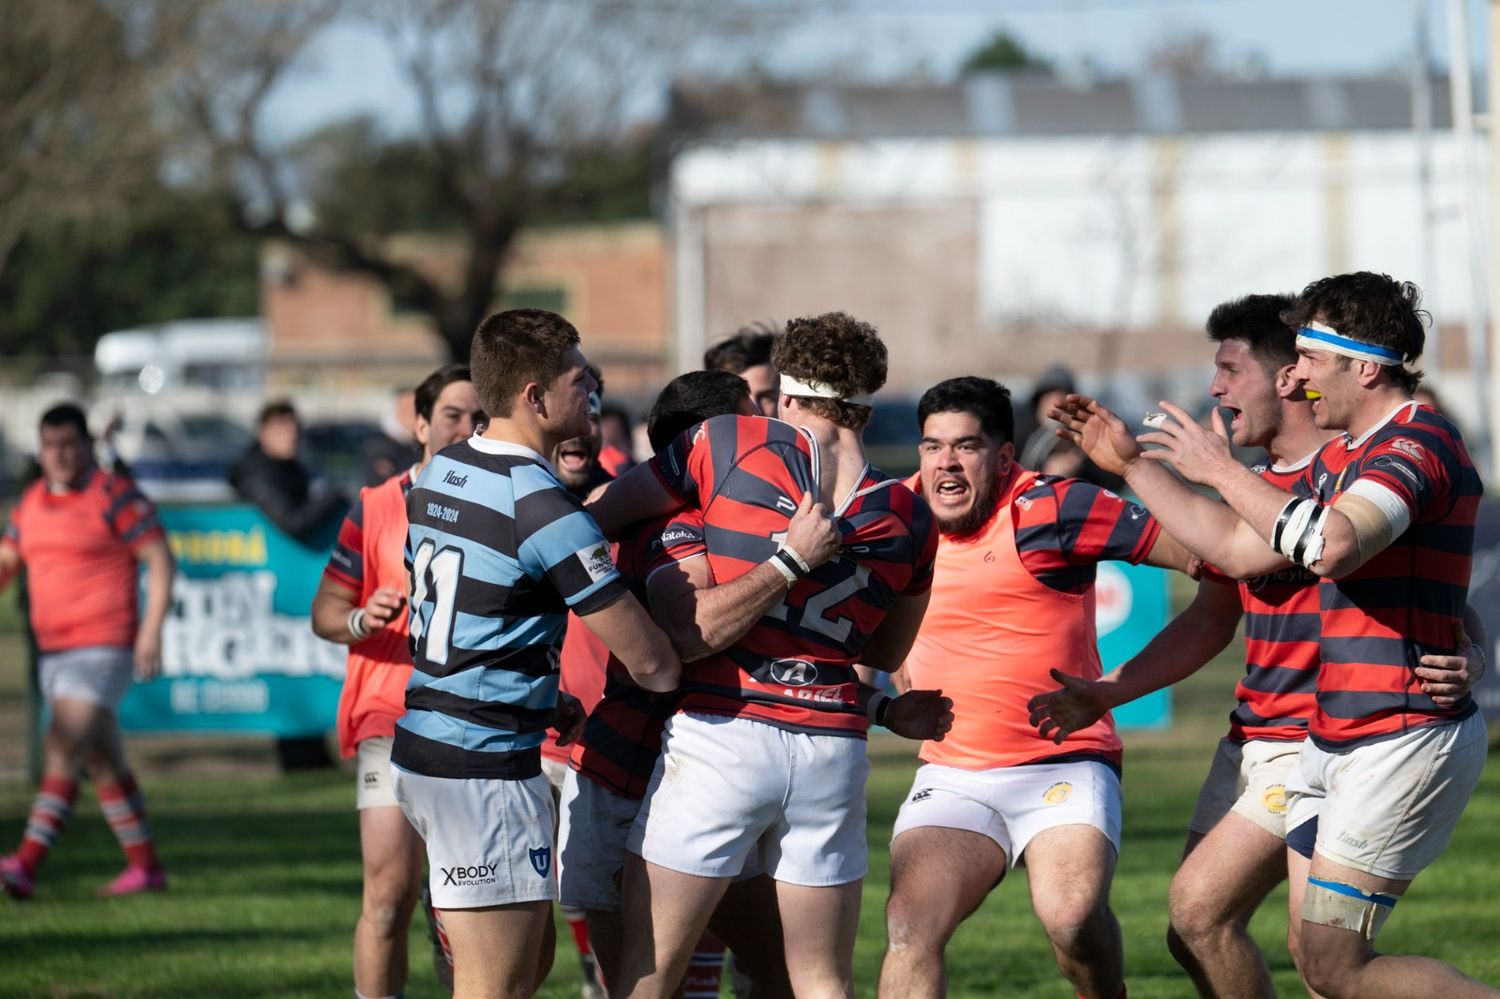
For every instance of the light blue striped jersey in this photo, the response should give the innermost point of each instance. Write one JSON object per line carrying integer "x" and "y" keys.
{"x": 498, "y": 552}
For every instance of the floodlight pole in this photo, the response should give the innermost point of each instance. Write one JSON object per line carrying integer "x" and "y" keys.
{"x": 1461, "y": 95}
{"x": 1492, "y": 376}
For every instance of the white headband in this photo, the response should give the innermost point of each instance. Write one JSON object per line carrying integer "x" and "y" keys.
{"x": 1319, "y": 336}
{"x": 818, "y": 390}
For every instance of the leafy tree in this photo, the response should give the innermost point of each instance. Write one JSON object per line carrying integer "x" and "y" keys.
{"x": 1004, "y": 53}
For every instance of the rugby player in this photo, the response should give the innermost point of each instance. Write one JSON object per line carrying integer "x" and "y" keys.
{"x": 767, "y": 753}
{"x": 361, "y": 603}
{"x": 498, "y": 552}
{"x": 1384, "y": 516}
{"x": 748, "y": 354}
{"x": 83, "y": 534}
{"x": 1236, "y": 844}
{"x": 1013, "y": 597}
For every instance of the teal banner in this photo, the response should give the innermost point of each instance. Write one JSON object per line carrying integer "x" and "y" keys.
{"x": 1131, "y": 607}
{"x": 238, "y": 652}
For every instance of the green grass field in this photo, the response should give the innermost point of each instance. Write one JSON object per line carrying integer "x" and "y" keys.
{"x": 265, "y": 880}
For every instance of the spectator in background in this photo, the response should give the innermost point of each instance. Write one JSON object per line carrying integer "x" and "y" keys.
{"x": 397, "y": 448}
{"x": 615, "y": 452}
{"x": 1033, "y": 428}
{"x": 748, "y": 354}
{"x": 81, "y": 533}
{"x": 270, "y": 476}
{"x": 361, "y": 603}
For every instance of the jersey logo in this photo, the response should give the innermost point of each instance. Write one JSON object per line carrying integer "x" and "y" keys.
{"x": 677, "y": 535}
{"x": 794, "y": 672}
{"x": 1409, "y": 447}
{"x": 785, "y": 503}
{"x": 1023, "y": 502}
{"x": 541, "y": 860}
{"x": 1058, "y": 793}
{"x": 596, "y": 561}
{"x": 922, "y": 795}
{"x": 1274, "y": 799}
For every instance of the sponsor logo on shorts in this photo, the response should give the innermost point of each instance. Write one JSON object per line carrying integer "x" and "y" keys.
{"x": 922, "y": 795}
{"x": 794, "y": 672}
{"x": 1347, "y": 840}
{"x": 372, "y": 778}
{"x": 596, "y": 561}
{"x": 1058, "y": 793}
{"x": 468, "y": 876}
{"x": 1274, "y": 798}
{"x": 541, "y": 859}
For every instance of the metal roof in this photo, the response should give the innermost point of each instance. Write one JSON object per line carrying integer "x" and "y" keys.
{"x": 990, "y": 105}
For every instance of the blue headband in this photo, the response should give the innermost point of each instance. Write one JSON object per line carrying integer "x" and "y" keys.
{"x": 1317, "y": 336}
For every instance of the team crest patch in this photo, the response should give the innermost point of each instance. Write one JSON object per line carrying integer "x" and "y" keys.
{"x": 1274, "y": 798}
{"x": 1058, "y": 793}
{"x": 541, "y": 860}
{"x": 596, "y": 561}
{"x": 922, "y": 795}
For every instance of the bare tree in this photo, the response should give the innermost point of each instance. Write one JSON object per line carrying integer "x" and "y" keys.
{"x": 509, "y": 92}
{"x": 76, "y": 125}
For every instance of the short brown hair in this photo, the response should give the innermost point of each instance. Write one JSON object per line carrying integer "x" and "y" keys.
{"x": 1373, "y": 308}
{"x": 514, "y": 348}
{"x": 838, "y": 350}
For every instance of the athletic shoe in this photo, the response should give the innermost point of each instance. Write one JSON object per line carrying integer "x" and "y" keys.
{"x": 18, "y": 883}
{"x": 134, "y": 879}
{"x": 593, "y": 978}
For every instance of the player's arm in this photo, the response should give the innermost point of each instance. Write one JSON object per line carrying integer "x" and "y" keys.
{"x": 888, "y": 646}
{"x": 702, "y": 617}
{"x": 627, "y": 630}
{"x": 338, "y": 616}
{"x": 156, "y": 556}
{"x": 1212, "y": 530}
{"x": 1178, "y": 651}
{"x": 1169, "y": 553}
{"x": 639, "y": 494}
{"x": 10, "y": 562}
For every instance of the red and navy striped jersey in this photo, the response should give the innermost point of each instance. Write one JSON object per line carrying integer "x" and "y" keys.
{"x": 346, "y": 563}
{"x": 622, "y": 738}
{"x": 1282, "y": 633}
{"x": 1066, "y": 527}
{"x": 1408, "y": 600}
{"x": 795, "y": 667}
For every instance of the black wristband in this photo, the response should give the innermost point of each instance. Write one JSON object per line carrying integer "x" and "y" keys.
{"x": 793, "y": 566}
{"x": 883, "y": 711}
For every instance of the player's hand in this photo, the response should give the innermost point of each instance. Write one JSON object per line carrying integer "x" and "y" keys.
{"x": 1198, "y": 454}
{"x": 568, "y": 719}
{"x": 813, "y": 533}
{"x": 920, "y": 714}
{"x": 383, "y": 607}
{"x": 1100, "y": 434}
{"x": 1446, "y": 679}
{"x": 148, "y": 654}
{"x": 1079, "y": 703}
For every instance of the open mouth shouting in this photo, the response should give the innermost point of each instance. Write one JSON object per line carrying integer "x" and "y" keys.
{"x": 573, "y": 456}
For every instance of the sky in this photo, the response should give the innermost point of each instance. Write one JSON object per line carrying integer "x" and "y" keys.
{"x": 349, "y": 71}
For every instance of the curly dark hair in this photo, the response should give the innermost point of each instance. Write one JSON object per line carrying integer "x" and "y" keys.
{"x": 1374, "y": 308}
{"x": 838, "y": 350}
{"x": 983, "y": 398}
{"x": 1256, "y": 319}
{"x": 514, "y": 348}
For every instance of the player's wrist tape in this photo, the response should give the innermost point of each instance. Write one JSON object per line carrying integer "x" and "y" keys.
{"x": 1298, "y": 532}
{"x": 879, "y": 707}
{"x": 356, "y": 624}
{"x": 788, "y": 563}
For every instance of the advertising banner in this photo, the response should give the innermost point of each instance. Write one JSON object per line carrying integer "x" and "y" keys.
{"x": 238, "y": 652}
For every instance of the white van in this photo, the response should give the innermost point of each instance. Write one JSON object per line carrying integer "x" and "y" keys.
{"x": 215, "y": 354}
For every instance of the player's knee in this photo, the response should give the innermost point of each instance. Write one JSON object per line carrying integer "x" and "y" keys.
{"x": 1178, "y": 948}
{"x": 1078, "y": 926}
{"x": 1194, "y": 920}
{"x": 1329, "y": 973}
{"x": 910, "y": 927}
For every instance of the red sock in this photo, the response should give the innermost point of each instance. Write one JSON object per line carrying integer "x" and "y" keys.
{"x": 49, "y": 814}
{"x": 125, "y": 811}
{"x": 579, "y": 926}
{"x": 705, "y": 970}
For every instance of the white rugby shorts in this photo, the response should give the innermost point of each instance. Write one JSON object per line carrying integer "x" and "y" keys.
{"x": 99, "y": 674}
{"x": 1011, "y": 805}
{"x": 596, "y": 823}
{"x": 1388, "y": 807}
{"x": 489, "y": 841}
{"x": 1248, "y": 778}
{"x": 373, "y": 774}
{"x": 725, "y": 788}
